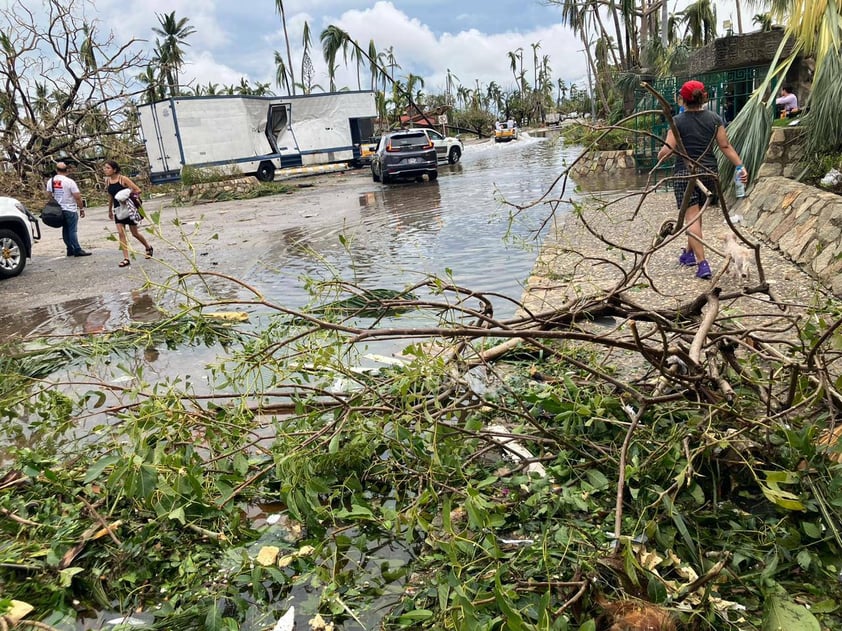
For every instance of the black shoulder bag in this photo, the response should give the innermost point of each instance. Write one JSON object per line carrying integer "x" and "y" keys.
{"x": 53, "y": 214}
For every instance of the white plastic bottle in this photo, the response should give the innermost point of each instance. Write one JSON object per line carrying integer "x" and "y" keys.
{"x": 739, "y": 187}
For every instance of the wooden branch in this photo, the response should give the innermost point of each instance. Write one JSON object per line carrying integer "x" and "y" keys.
{"x": 704, "y": 328}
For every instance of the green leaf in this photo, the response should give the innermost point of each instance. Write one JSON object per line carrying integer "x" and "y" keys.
{"x": 415, "y": 616}
{"x": 178, "y": 515}
{"x": 356, "y": 511}
{"x": 213, "y": 621}
{"x": 812, "y": 530}
{"x": 333, "y": 446}
{"x": 241, "y": 464}
{"x": 781, "y": 498}
{"x": 782, "y": 614}
{"x": 66, "y": 575}
{"x": 597, "y": 479}
{"x": 96, "y": 469}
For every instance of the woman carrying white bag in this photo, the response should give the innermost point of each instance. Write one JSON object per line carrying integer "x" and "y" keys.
{"x": 127, "y": 214}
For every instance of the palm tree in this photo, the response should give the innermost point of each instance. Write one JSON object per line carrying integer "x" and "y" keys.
{"x": 700, "y": 22}
{"x": 170, "y": 51}
{"x": 359, "y": 62}
{"x": 449, "y": 83}
{"x": 764, "y": 21}
{"x": 535, "y": 48}
{"x": 306, "y": 61}
{"x": 279, "y": 7}
{"x": 513, "y": 57}
{"x": 153, "y": 90}
{"x": 374, "y": 58}
{"x": 336, "y": 39}
{"x": 812, "y": 29}
{"x": 333, "y": 40}
{"x": 495, "y": 96}
{"x": 282, "y": 78}
{"x": 411, "y": 81}
{"x": 562, "y": 92}
{"x": 391, "y": 62}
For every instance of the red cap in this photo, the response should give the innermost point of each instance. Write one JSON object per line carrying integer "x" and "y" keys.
{"x": 689, "y": 88}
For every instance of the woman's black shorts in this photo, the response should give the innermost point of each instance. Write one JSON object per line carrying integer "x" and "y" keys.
{"x": 682, "y": 178}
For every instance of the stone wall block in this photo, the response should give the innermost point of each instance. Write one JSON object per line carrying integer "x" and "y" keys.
{"x": 784, "y": 226}
{"x": 821, "y": 258}
{"x": 770, "y": 169}
{"x": 775, "y": 152}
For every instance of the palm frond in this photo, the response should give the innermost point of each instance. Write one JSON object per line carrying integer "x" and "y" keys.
{"x": 749, "y": 133}
{"x": 824, "y": 120}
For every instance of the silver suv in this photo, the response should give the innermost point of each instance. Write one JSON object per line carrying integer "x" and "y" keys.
{"x": 409, "y": 153}
{"x": 19, "y": 228}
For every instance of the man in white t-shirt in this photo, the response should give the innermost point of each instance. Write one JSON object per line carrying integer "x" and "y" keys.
{"x": 67, "y": 194}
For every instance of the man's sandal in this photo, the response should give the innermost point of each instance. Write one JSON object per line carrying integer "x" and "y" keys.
{"x": 124, "y": 263}
{"x": 149, "y": 252}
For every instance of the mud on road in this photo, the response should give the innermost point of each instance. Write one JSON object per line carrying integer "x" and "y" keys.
{"x": 224, "y": 236}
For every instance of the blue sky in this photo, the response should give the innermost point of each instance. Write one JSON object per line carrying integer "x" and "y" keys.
{"x": 236, "y": 39}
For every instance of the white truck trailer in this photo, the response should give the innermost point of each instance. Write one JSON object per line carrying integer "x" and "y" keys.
{"x": 254, "y": 134}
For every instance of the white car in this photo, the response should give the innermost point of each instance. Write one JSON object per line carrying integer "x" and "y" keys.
{"x": 19, "y": 229}
{"x": 448, "y": 148}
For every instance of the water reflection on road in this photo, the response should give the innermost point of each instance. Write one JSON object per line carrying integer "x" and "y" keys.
{"x": 401, "y": 233}
{"x": 392, "y": 236}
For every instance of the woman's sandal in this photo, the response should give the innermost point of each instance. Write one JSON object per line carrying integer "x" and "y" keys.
{"x": 124, "y": 263}
{"x": 149, "y": 251}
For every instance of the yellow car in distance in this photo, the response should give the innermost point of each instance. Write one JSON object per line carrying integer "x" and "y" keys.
{"x": 505, "y": 132}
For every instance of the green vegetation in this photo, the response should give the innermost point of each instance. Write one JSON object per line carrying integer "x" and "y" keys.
{"x": 124, "y": 493}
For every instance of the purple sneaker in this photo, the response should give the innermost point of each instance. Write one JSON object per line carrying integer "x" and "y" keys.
{"x": 687, "y": 257}
{"x": 703, "y": 271}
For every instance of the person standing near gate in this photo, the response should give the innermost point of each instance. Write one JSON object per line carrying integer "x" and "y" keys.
{"x": 66, "y": 192}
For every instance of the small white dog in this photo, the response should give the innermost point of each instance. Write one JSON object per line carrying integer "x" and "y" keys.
{"x": 741, "y": 257}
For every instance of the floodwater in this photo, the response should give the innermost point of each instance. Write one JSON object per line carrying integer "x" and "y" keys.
{"x": 390, "y": 236}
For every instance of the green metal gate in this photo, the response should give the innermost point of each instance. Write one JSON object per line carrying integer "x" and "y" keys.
{"x": 727, "y": 91}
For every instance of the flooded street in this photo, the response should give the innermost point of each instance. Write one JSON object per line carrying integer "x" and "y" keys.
{"x": 344, "y": 227}
{"x": 401, "y": 233}
{"x": 394, "y": 236}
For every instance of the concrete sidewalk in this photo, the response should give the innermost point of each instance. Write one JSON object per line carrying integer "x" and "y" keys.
{"x": 574, "y": 264}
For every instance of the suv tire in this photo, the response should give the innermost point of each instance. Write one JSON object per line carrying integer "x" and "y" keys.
{"x": 12, "y": 254}
{"x": 454, "y": 155}
{"x": 433, "y": 175}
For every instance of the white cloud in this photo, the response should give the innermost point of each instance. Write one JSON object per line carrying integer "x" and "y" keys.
{"x": 428, "y": 38}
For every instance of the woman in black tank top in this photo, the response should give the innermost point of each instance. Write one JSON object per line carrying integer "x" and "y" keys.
{"x": 114, "y": 183}
{"x": 700, "y": 130}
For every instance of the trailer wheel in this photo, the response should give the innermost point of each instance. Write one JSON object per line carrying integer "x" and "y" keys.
{"x": 266, "y": 171}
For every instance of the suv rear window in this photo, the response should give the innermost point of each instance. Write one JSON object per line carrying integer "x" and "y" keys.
{"x": 409, "y": 140}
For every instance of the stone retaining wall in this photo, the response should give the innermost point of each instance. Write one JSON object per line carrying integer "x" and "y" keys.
{"x": 210, "y": 191}
{"x": 786, "y": 150}
{"x": 803, "y": 222}
{"x": 599, "y": 162}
